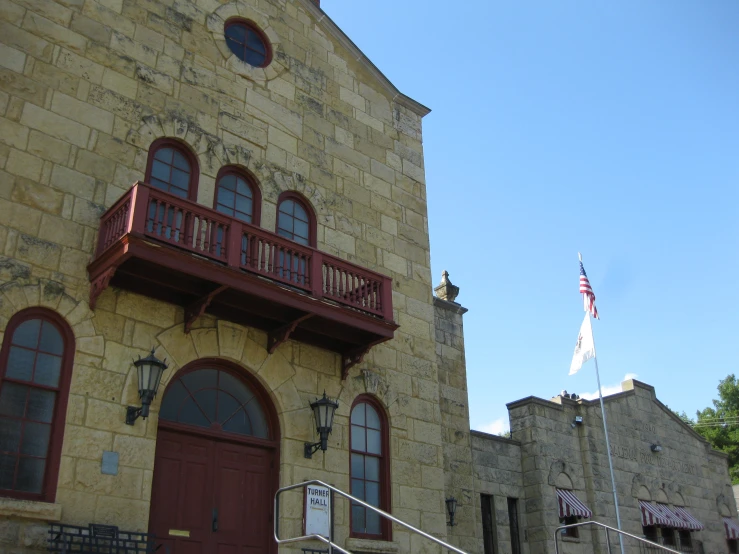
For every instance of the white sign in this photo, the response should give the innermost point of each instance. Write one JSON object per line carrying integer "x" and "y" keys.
{"x": 317, "y": 511}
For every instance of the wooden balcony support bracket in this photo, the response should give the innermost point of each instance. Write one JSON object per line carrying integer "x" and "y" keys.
{"x": 99, "y": 284}
{"x": 352, "y": 358}
{"x": 277, "y": 336}
{"x": 197, "y": 308}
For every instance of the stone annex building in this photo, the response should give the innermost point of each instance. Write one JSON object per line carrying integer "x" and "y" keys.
{"x": 235, "y": 185}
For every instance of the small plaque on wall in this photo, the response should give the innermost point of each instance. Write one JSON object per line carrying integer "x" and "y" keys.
{"x": 110, "y": 463}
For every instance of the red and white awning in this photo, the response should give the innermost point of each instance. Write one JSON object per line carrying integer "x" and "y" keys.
{"x": 675, "y": 521}
{"x": 732, "y": 528}
{"x": 685, "y": 515}
{"x": 651, "y": 515}
{"x": 570, "y": 505}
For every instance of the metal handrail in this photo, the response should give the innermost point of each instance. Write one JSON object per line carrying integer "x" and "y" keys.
{"x": 608, "y": 541}
{"x": 331, "y": 508}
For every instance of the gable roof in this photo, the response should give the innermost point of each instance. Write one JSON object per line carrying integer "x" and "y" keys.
{"x": 328, "y": 24}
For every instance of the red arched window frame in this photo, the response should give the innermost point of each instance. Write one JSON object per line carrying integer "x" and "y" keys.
{"x": 59, "y": 414}
{"x": 302, "y": 201}
{"x": 251, "y": 182}
{"x": 384, "y": 467}
{"x": 182, "y": 148}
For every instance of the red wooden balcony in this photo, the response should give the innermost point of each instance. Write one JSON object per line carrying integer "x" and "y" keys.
{"x": 172, "y": 249}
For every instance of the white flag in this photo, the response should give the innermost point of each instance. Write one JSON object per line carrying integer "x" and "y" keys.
{"x": 584, "y": 349}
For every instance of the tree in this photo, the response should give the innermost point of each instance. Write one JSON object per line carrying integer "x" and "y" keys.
{"x": 720, "y": 424}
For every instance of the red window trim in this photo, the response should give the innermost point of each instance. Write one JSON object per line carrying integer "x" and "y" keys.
{"x": 385, "y": 495}
{"x": 192, "y": 192}
{"x": 256, "y": 216}
{"x": 254, "y": 27}
{"x": 53, "y": 459}
{"x": 303, "y": 201}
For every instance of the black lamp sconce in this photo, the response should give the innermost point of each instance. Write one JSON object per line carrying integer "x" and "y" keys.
{"x": 577, "y": 421}
{"x": 451, "y": 508}
{"x": 323, "y": 410}
{"x": 149, "y": 370}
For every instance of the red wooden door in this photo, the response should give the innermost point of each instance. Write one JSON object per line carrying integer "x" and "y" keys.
{"x": 211, "y": 496}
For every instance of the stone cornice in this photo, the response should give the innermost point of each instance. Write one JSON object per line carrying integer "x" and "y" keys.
{"x": 488, "y": 436}
{"x": 451, "y": 306}
{"x": 397, "y": 97}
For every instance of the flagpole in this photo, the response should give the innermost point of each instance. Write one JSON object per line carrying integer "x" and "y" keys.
{"x": 608, "y": 446}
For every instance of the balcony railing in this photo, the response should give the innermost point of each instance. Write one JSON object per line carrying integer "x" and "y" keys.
{"x": 158, "y": 218}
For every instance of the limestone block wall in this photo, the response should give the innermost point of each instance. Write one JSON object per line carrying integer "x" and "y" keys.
{"x": 686, "y": 473}
{"x": 85, "y": 87}
{"x": 454, "y": 404}
{"x": 498, "y": 472}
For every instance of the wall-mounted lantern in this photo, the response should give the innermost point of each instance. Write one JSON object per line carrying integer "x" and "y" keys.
{"x": 149, "y": 371}
{"x": 323, "y": 410}
{"x": 577, "y": 421}
{"x": 451, "y": 508}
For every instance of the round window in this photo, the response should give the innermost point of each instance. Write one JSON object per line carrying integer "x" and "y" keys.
{"x": 248, "y": 43}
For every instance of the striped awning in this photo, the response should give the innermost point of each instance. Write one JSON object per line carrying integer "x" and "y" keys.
{"x": 675, "y": 521}
{"x": 651, "y": 515}
{"x": 685, "y": 515}
{"x": 570, "y": 505}
{"x": 732, "y": 528}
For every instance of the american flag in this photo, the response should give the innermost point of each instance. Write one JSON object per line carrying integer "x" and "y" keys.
{"x": 586, "y": 290}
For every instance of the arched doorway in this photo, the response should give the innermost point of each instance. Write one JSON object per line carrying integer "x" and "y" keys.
{"x": 216, "y": 463}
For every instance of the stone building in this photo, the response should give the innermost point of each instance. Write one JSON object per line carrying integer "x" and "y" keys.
{"x": 234, "y": 185}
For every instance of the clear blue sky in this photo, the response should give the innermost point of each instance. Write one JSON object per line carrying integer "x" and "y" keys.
{"x": 610, "y": 128}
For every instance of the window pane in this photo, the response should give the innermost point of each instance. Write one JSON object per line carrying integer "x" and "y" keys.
{"x": 207, "y": 401}
{"x": 164, "y": 154}
{"x": 254, "y": 41}
{"x": 285, "y": 222}
{"x": 258, "y": 420}
{"x": 10, "y": 434}
{"x": 373, "y": 420}
{"x": 358, "y": 488}
{"x": 20, "y": 363}
{"x": 27, "y": 333}
{"x": 357, "y": 466}
{"x": 237, "y": 33}
{"x": 172, "y": 400}
{"x": 373, "y": 442}
{"x": 192, "y": 415}
{"x": 372, "y": 468}
{"x": 373, "y": 523}
{"x": 13, "y": 400}
{"x": 160, "y": 170}
{"x": 41, "y": 405}
{"x": 180, "y": 180}
{"x": 30, "y": 475}
{"x": 180, "y": 161}
{"x": 51, "y": 340}
{"x": 287, "y": 207}
{"x": 234, "y": 386}
{"x": 7, "y": 471}
{"x": 254, "y": 58}
{"x": 358, "y": 438}
{"x": 301, "y": 229}
{"x": 242, "y": 187}
{"x": 357, "y": 518}
{"x": 243, "y": 204}
{"x": 300, "y": 212}
{"x": 226, "y": 197}
{"x": 239, "y": 423}
{"x": 372, "y": 493}
{"x": 227, "y": 406}
{"x": 201, "y": 379}
{"x": 358, "y": 414}
{"x": 35, "y": 439}
{"x": 48, "y": 368}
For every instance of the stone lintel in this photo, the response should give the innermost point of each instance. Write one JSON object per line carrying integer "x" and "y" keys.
{"x": 30, "y": 509}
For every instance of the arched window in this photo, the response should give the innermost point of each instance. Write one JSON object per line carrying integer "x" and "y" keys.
{"x": 216, "y": 400}
{"x": 369, "y": 468}
{"x": 296, "y": 219}
{"x": 173, "y": 168}
{"x": 35, "y": 371}
{"x": 237, "y": 195}
{"x": 248, "y": 42}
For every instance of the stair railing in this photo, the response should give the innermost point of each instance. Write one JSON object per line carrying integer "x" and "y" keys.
{"x": 608, "y": 529}
{"x": 329, "y": 541}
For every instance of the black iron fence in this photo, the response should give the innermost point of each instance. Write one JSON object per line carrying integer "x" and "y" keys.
{"x": 99, "y": 539}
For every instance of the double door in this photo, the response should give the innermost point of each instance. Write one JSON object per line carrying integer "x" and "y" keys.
{"x": 210, "y": 496}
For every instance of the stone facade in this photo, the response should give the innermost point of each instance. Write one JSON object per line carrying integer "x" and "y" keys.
{"x": 86, "y": 86}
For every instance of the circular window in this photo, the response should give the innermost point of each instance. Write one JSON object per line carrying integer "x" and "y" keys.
{"x": 248, "y": 43}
